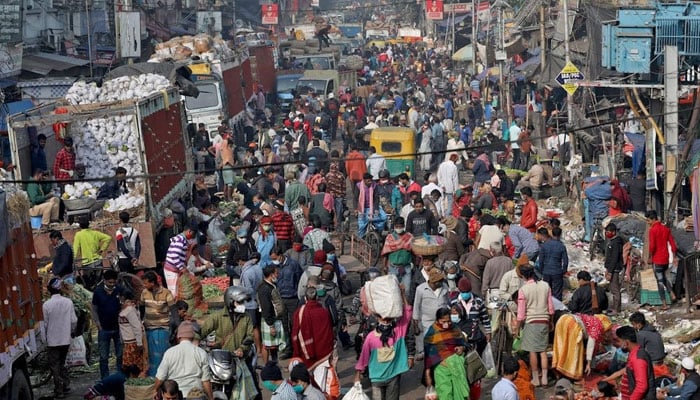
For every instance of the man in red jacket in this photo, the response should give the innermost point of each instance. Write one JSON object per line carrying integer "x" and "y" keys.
{"x": 529, "y": 217}
{"x": 638, "y": 379}
{"x": 659, "y": 240}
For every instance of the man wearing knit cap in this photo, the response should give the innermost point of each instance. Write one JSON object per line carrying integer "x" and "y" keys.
{"x": 186, "y": 364}
{"x": 272, "y": 380}
{"x": 430, "y": 297}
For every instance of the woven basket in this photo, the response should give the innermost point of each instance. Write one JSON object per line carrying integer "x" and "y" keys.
{"x": 513, "y": 175}
{"x": 435, "y": 246}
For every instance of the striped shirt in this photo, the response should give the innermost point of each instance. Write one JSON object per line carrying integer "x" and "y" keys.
{"x": 177, "y": 251}
{"x": 157, "y": 304}
{"x": 283, "y": 225}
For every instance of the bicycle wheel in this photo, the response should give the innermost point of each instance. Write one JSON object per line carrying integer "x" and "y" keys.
{"x": 39, "y": 371}
{"x": 375, "y": 242}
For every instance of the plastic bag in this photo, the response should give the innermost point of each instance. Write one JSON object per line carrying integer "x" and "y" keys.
{"x": 430, "y": 393}
{"x": 356, "y": 393}
{"x": 516, "y": 344}
{"x": 76, "y": 352}
{"x": 489, "y": 363}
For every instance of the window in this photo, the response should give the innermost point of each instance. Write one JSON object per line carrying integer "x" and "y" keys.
{"x": 391, "y": 147}
{"x": 208, "y": 97}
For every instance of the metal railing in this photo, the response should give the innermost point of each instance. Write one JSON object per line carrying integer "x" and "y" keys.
{"x": 691, "y": 276}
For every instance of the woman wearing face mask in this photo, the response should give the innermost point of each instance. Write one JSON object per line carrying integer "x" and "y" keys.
{"x": 387, "y": 352}
{"x": 265, "y": 239}
{"x": 397, "y": 253}
{"x": 445, "y": 348}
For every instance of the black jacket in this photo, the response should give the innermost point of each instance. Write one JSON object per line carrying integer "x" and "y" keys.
{"x": 63, "y": 260}
{"x": 582, "y": 301}
{"x": 613, "y": 254}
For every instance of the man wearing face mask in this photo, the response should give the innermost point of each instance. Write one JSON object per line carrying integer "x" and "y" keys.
{"x": 638, "y": 382}
{"x": 397, "y": 253}
{"x": 271, "y": 314}
{"x": 613, "y": 265}
{"x": 287, "y": 284}
{"x": 239, "y": 252}
{"x": 272, "y": 380}
{"x": 233, "y": 326}
{"x": 265, "y": 239}
{"x": 301, "y": 381}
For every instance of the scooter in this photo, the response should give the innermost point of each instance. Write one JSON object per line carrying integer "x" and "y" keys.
{"x": 222, "y": 366}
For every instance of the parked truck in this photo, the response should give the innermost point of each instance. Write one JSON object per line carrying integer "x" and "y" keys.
{"x": 21, "y": 315}
{"x": 325, "y": 82}
{"x": 219, "y": 72}
{"x": 163, "y": 146}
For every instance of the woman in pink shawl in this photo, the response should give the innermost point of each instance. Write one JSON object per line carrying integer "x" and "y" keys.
{"x": 482, "y": 170}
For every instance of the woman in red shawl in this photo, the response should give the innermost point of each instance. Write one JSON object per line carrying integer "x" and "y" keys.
{"x": 312, "y": 331}
{"x": 444, "y": 361}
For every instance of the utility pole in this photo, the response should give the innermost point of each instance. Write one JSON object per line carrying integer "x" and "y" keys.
{"x": 543, "y": 39}
{"x": 569, "y": 97}
{"x": 670, "y": 149}
{"x": 475, "y": 18}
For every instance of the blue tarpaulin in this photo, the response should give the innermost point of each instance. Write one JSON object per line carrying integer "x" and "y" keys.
{"x": 12, "y": 108}
{"x": 350, "y": 31}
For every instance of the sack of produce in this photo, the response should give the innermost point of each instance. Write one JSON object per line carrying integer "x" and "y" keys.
{"x": 189, "y": 289}
{"x": 140, "y": 389}
{"x": 383, "y": 296}
{"x": 202, "y": 43}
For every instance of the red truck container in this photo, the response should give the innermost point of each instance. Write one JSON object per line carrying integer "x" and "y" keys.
{"x": 21, "y": 316}
{"x": 166, "y": 155}
{"x": 262, "y": 65}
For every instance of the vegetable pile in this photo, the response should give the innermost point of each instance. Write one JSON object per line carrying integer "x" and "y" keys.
{"x": 220, "y": 282}
{"x": 148, "y": 381}
{"x": 106, "y": 143}
{"x": 80, "y": 190}
{"x": 211, "y": 291}
{"x": 124, "y": 202}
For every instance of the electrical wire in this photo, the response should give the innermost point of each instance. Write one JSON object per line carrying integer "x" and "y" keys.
{"x": 341, "y": 159}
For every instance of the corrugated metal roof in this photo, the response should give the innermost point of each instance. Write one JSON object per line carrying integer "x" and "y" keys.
{"x": 43, "y": 63}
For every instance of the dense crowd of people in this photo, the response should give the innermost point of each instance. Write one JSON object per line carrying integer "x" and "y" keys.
{"x": 312, "y": 175}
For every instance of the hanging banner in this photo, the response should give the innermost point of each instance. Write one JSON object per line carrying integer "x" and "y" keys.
{"x": 270, "y": 14}
{"x": 11, "y": 21}
{"x": 434, "y": 9}
{"x": 483, "y": 12}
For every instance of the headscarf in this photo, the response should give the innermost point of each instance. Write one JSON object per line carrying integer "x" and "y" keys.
{"x": 485, "y": 159}
{"x": 441, "y": 343}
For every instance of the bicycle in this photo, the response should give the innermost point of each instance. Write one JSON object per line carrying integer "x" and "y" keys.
{"x": 597, "y": 243}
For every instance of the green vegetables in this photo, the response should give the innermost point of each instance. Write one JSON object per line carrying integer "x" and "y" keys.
{"x": 211, "y": 291}
{"x": 141, "y": 381}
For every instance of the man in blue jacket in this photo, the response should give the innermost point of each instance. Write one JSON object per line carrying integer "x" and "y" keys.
{"x": 598, "y": 192}
{"x": 553, "y": 260}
